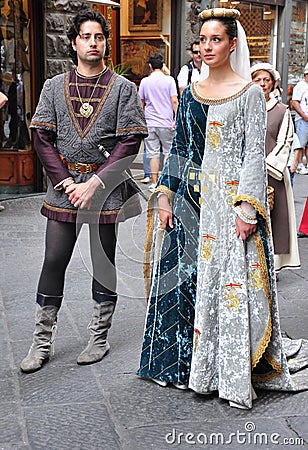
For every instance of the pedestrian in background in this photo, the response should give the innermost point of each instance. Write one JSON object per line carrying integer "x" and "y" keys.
{"x": 278, "y": 142}
{"x": 212, "y": 321}
{"x": 159, "y": 98}
{"x": 3, "y": 100}
{"x": 300, "y": 105}
{"x": 293, "y": 158}
{"x": 192, "y": 70}
{"x": 81, "y": 115}
{"x": 146, "y": 161}
{"x": 303, "y": 227}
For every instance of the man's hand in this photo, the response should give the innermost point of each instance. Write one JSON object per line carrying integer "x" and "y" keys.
{"x": 80, "y": 195}
{"x": 293, "y": 168}
{"x": 243, "y": 229}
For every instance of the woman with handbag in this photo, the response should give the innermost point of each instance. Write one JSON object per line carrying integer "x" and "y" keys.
{"x": 278, "y": 142}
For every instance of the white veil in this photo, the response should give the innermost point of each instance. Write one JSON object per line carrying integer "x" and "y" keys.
{"x": 239, "y": 59}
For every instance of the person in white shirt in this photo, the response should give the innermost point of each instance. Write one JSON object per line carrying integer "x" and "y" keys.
{"x": 300, "y": 105}
{"x": 191, "y": 71}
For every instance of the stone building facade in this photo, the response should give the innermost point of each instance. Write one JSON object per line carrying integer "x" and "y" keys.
{"x": 58, "y": 14}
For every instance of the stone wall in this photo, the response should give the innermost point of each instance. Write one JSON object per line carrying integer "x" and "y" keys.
{"x": 191, "y": 21}
{"x": 58, "y": 13}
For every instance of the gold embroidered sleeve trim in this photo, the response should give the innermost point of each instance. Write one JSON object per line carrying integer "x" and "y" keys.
{"x": 143, "y": 130}
{"x": 167, "y": 191}
{"x": 45, "y": 125}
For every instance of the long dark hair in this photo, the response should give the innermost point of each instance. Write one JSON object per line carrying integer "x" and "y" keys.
{"x": 228, "y": 23}
{"x": 74, "y": 29}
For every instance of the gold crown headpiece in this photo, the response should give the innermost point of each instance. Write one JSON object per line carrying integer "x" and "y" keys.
{"x": 219, "y": 12}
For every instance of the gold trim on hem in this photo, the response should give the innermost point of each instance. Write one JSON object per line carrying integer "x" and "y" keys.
{"x": 263, "y": 345}
{"x": 276, "y": 372}
{"x": 266, "y": 289}
{"x": 78, "y": 211}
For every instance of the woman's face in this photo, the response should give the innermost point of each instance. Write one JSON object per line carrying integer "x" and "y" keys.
{"x": 265, "y": 81}
{"x": 215, "y": 44}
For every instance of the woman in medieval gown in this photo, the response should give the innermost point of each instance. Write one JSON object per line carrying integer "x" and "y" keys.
{"x": 212, "y": 320}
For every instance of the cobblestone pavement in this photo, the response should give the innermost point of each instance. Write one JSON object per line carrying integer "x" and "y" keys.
{"x": 106, "y": 406}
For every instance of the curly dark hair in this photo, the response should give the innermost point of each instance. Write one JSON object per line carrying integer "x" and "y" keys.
{"x": 84, "y": 16}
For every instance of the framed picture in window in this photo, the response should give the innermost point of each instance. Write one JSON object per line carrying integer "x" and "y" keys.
{"x": 145, "y": 15}
{"x": 135, "y": 53}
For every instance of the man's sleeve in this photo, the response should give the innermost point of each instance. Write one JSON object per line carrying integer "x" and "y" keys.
{"x": 44, "y": 117}
{"x": 296, "y": 93}
{"x": 183, "y": 77}
{"x": 141, "y": 90}
{"x": 130, "y": 114}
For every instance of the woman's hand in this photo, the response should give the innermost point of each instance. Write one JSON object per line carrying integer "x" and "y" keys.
{"x": 80, "y": 195}
{"x": 243, "y": 229}
{"x": 165, "y": 212}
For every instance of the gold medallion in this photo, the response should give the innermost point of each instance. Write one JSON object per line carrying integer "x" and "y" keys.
{"x": 86, "y": 110}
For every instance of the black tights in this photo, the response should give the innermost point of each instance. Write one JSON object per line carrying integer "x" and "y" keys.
{"x": 60, "y": 241}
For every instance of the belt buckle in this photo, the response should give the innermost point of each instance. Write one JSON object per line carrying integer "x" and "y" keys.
{"x": 87, "y": 167}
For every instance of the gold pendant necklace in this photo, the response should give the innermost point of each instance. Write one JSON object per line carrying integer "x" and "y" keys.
{"x": 86, "y": 109}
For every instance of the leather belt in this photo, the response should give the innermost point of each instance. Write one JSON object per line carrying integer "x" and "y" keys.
{"x": 82, "y": 167}
{"x": 79, "y": 167}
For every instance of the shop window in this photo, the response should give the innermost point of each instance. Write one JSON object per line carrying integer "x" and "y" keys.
{"x": 257, "y": 22}
{"x": 298, "y": 39}
{"x": 15, "y": 75}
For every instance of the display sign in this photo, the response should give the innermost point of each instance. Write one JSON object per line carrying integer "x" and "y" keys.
{"x": 268, "y": 2}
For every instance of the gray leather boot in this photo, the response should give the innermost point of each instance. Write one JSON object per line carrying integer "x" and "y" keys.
{"x": 98, "y": 346}
{"x": 47, "y": 308}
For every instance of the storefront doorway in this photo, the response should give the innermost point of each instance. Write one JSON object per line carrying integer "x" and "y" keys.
{"x": 16, "y": 156}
